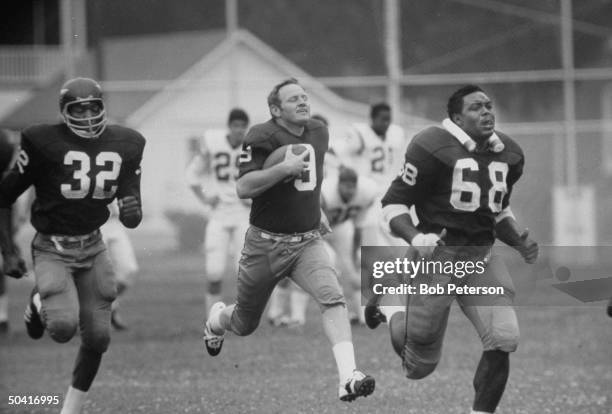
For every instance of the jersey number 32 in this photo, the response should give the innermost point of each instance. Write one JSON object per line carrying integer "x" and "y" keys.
{"x": 105, "y": 184}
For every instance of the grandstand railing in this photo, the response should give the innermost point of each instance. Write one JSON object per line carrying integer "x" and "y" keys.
{"x": 30, "y": 64}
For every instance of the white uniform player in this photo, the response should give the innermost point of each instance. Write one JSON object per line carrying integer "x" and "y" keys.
{"x": 376, "y": 150}
{"x": 212, "y": 177}
{"x": 346, "y": 199}
{"x": 122, "y": 256}
{"x": 377, "y": 156}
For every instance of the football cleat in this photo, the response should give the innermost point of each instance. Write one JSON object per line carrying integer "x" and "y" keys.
{"x": 4, "y": 328}
{"x": 359, "y": 385}
{"x": 212, "y": 341}
{"x": 31, "y": 316}
{"x": 609, "y": 309}
{"x": 373, "y": 315}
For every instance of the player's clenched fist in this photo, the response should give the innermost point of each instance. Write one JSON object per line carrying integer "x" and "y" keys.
{"x": 426, "y": 243}
{"x": 130, "y": 212}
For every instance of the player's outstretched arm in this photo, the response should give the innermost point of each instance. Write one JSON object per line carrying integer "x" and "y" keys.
{"x": 256, "y": 182}
{"x": 508, "y": 231}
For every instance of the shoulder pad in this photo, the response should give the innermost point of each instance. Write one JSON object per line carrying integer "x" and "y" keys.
{"x": 433, "y": 138}
{"x": 510, "y": 144}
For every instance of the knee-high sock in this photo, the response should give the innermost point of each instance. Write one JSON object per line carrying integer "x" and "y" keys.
{"x": 490, "y": 380}
{"x": 73, "y": 401}
{"x": 85, "y": 368}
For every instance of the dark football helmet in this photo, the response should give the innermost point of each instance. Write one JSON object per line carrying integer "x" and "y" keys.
{"x": 82, "y": 107}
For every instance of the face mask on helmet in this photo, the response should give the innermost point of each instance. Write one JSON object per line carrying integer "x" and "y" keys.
{"x": 86, "y": 118}
{"x": 82, "y": 107}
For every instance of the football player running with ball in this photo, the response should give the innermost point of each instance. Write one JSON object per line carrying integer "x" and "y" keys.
{"x": 459, "y": 177}
{"x": 77, "y": 168}
{"x": 284, "y": 238}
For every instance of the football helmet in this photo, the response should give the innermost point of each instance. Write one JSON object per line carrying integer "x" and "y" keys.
{"x": 82, "y": 107}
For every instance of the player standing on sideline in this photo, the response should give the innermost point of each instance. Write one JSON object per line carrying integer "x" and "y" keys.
{"x": 460, "y": 178}
{"x": 7, "y": 153}
{"x": 211, "y": 176}
{"x": 76, "y": 167}
{"x": 121, "y": 254}
{"x": 375, "y": 150}
{"x": 284, "y": 238}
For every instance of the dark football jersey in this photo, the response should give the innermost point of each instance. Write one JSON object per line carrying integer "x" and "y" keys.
{"x": 294, "y": 206}
{"x": 74, "y": 178}
{"x": 455, "y": 189}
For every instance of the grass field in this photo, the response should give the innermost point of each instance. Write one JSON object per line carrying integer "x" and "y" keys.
{"x": 563, "y": 365}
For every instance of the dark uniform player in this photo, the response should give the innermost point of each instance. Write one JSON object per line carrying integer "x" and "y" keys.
{"x": 7, "y": 152}
{"x": 284, "y": 238}
{"x": 459, "y": 178}
{"x": 77, "y": 168}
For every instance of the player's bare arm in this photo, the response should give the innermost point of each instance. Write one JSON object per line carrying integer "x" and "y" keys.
{"x": 256, "y": 182}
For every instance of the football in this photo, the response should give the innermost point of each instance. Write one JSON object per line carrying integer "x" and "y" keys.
{"x": 279, "y": 154}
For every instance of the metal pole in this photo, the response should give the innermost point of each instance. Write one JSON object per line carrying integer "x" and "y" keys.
{"x": 393, "y": 56}
{"x": 38, "y": 18}
{"x": 79, "y": 27}
{"x": 231, "y": 16}
{"x": 569, "y": 92}
{"x": 66, "y": 37}
{"x": 231, "y": 21}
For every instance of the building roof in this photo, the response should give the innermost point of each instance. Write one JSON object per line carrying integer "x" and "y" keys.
{"x": 139, "y": 73}
{"x": 129, "y": 62}
{"x": 268, "y": 54}
{"x": 138, "y": 67}
{"x": 40, "y": 105}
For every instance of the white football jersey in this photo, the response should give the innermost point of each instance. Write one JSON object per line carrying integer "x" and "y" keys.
{"x": 338, "y": 211}
{"x": 379, "y": 159}
{"x": 216, "y": 169}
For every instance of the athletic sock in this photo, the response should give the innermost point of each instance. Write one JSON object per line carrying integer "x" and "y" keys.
{"x": 73, "y": 401}
{"x": 344, "y": 354}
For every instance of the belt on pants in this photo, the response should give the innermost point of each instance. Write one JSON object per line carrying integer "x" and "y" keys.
{"x": 287, "y": 238}
{"x": 62, "y": 242}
